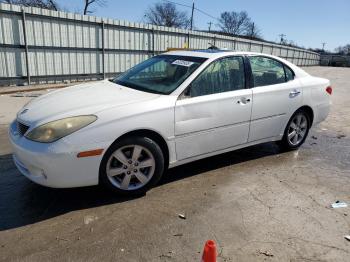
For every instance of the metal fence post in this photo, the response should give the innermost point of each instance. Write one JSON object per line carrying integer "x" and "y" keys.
{"x": 293, "y": 56}
{"x": 26, "y": 44}
{"x": 272, "y": 50}
{"x": 188, "y": 40}
{"x": 303, "y": 59}
{"x": 262, "y": 47}
{"x": 153, "y": 41}
{"x": 103, "y": 49}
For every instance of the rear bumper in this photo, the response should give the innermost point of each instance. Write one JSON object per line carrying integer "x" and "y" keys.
{"x": 53, "y": 164}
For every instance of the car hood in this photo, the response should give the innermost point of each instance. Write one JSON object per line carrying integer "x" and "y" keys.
{"x": 83, "y": 99}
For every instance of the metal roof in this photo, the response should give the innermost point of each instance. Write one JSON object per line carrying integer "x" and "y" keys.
{"x": 212, "y": 50}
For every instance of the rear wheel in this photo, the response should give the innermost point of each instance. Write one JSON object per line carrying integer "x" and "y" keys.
{"x": 132, "y": 166}
{"x": 296, "y": 131}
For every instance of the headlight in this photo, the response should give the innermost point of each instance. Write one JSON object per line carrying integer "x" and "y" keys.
{"x": 55, "y": 130}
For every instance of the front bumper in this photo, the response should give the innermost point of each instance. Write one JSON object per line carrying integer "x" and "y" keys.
{"x": 54, "y": 164}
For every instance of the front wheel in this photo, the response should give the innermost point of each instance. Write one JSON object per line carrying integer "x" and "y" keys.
{"x": 296, "y": 131}
{"x": 132, "y": 166}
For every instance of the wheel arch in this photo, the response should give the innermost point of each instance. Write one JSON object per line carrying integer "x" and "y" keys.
{"x": 309, "y": 111}
{"x": 153, "y": 135}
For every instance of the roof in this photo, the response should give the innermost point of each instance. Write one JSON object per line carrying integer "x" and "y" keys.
{"x": 206, "y": 53}
{"x": 214, "y": 54}
{"x": 211, "y": 50}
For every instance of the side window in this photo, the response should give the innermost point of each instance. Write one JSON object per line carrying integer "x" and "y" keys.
{"x": 289, "y": 74}
{"x": 226, "y": 74}
{"x": 266, "y": 71}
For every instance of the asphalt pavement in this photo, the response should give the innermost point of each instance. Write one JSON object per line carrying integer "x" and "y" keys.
{"x": 258, "y": 203}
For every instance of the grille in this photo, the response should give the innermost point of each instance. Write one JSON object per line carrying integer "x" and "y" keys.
{"x": 22, "y": 128}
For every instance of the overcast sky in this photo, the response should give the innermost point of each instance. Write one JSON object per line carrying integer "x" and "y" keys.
{"x": 309, "y": 23}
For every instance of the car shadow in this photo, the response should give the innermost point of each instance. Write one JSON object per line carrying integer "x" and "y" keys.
{"x": 23, "y": 202}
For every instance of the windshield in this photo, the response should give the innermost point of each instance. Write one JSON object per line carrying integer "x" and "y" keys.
{"x": 160, "y": 74}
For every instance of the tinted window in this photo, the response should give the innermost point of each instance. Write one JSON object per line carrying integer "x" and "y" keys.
{"x": 266, "y": 71}
{"x": 289, "y": 74}
{"x": 226, "y": 74}
{"x": 160, "y": 74}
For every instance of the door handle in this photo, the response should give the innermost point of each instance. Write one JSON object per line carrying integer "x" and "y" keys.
{"x": 294, "y": 93}
{"x": 243, "y": 101}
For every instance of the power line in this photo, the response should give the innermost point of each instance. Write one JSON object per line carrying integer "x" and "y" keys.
{"x": 195, "y": 8}
{"x": 205, "y": 13}
{"x": 178, "y": 3}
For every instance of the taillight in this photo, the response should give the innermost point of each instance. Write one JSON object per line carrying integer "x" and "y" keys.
{"x": 329, "y": 90}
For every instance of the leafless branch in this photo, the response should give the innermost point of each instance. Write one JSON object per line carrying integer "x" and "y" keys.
{"x": 166, "y": 14}
{"x": 253, "y": 31}
{"x": 46, "y": 4}
{"x": 234, "y": 22}
{"x": 89, "y": 3}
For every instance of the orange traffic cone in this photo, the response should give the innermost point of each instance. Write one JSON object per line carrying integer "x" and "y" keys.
{"x": 209, "y": 252}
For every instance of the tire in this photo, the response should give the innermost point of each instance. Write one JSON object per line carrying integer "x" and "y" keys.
{"x": 132, "y": 166}
{"x": 301, "y": 130}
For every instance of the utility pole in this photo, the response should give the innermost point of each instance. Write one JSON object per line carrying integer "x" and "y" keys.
{"x": 282, "y": 37}
{"x": 192, "y": 15}
{"x": 323, "y": 44}
{"x": 253, "y": 29}
{"x": 210, "y": 23}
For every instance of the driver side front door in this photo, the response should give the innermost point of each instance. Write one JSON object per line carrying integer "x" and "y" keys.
{"x": 216, "y": 113}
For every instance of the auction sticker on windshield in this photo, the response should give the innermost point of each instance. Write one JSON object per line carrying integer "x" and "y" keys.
{"x": 182, "y": 63}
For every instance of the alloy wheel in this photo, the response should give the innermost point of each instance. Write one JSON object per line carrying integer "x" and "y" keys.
{"x": 130, "y": 167}
{"x": 297, "y": 129}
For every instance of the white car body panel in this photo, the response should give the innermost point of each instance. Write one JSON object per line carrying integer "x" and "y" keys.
{"x": 272, "y": 108}
{"x": 200, "y": 120}
{"x": 314, "y": 96}
{"x": 193, "y": 128}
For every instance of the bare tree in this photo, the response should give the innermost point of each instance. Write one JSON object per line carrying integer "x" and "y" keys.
{"x": 166, "y": 14}
{"x": 235, "y": 23}
{"x": 253, "y": 31}
{"x": 89, "y": 3}
{"x": 46, "y": 4}
{"x": 343, "y": 50}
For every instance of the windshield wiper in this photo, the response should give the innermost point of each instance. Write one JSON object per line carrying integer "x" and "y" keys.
{"x": 137, "y": 87}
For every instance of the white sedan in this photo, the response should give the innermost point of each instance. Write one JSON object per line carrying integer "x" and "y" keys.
{"x": 171, "y": 109}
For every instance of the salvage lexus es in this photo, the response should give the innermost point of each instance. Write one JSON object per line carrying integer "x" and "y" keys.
{"x": 169, "y": 110}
